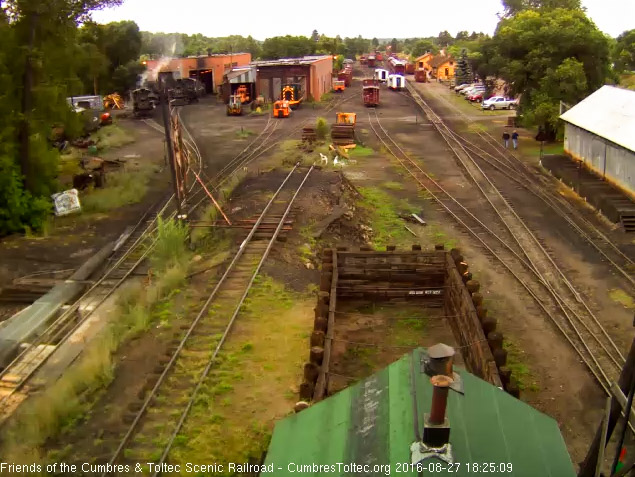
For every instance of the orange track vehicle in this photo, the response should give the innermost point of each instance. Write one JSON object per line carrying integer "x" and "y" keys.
{"x": 281, "y": 109}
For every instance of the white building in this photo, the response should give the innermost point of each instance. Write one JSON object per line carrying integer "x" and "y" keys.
{"x": 600, "y": 131}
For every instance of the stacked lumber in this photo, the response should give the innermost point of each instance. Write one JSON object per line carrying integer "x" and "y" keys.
{"x": 343, "y": 134}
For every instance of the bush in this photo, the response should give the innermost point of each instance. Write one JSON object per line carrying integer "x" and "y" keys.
{"x": 170, "y": 248}
{"x": 321, "y": 129}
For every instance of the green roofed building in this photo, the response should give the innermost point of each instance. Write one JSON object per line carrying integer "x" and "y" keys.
{"x": 376, "y": 427}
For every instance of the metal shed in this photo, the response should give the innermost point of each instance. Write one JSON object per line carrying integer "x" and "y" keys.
{"x": 237, "y": 77}
{"x": 599, "y": 132}
{"x": 379, "y": 421}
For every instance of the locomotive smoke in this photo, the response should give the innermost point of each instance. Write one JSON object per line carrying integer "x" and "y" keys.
{"x": 164, "y": 60}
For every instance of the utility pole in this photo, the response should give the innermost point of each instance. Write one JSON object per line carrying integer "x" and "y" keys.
{"x": 163, "y": 98}
{"x": 587, "y": 468}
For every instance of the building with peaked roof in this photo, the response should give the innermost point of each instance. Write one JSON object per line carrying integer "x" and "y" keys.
{"x": 600, "y": 132}
{"x": 313, "y": 74}
{"x": 443, "y": 66}
{"x": 423, "y": 62}
{"x": 388, "y": 419}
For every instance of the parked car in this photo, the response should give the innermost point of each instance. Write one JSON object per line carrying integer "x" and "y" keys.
{"x": 474, "y": 97}
{"x": 499, "y": 102}
{"x": 462, "y": 86}
{"x": 473, "y": 89}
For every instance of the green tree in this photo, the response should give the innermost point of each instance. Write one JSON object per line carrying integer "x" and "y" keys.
{"x": 463, "y": 70}
{"x": 624, "y": 51}
{"x": 423, "y": 46}
{"x": 287, "y": 47}
{"x": 462, "y": 35}
{"x": 395, "y": 46}
{"x": 375, "y": 42}
{"x": 315, "y": 36}
{"x": 512, "y": 7}
{"x": 444, "y": 39}
{"x": 536, "y": 48}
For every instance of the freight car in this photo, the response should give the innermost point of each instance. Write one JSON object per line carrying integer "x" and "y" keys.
{"x": 371, "y": 61}
{"x": 421, "y": 76}
{"x": 381, "y": 75}
{"x": 396, "y": 66}
{"x": 410, "y": 68}
{"x": 370, "y": 92}
{"x": 396, "y": 82}
{"x": 345, "y": 75}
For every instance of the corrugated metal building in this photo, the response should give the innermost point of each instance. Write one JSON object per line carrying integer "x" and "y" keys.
{"x": 380, "y": 421}
{"x": 313, "y": 73}
{"x": 600, "y": 131}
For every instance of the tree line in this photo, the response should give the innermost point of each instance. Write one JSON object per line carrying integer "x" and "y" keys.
{"x": 546, "y": 50}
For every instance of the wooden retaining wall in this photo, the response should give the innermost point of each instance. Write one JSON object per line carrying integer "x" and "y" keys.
{"x": 436, "y": 278}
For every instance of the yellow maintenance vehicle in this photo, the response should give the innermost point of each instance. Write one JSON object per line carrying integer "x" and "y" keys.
{"x": 345, "y": 118}
{"x": 235, "y": 106}
{"x": 113, "y": 101}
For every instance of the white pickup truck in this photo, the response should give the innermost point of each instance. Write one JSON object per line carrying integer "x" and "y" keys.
{"x": 499, "y": 102}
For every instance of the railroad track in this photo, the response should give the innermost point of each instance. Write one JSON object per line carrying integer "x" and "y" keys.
{"x": 175, "y": 390}
{"x": 537, "y": 275}
{"x": 512, "y": 168}
{"x": 133, "y": 248}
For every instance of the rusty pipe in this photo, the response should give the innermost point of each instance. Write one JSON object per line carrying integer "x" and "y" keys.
{"x": 441, "y": 386}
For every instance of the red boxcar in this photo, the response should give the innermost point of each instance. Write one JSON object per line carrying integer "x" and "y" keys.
{"x": 421, "y": 76}
{"x": 396, "y": 66}
{"x": 345, "y": 75}
{"x": 370, "y": 92}
{"x": 410, "y": 68}
{"x": 371, "y": 61}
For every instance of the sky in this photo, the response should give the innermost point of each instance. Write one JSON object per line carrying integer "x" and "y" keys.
{"x": 413, "y": 18}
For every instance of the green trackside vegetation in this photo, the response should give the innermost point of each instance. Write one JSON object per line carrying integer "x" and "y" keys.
{"x": 517, "y": 362}
{"x": 62, "y": 405}
{"x": 255, "y": 379}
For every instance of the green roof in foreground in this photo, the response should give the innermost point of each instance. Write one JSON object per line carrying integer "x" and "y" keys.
{"x": 372, "y": 423}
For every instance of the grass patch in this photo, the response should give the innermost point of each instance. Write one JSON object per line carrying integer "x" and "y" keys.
{"x": 111, "y": 136}
{"x": 620, "y": 296}
{"x": 244, "y": 133}
{"x": 627, "y": 81}
{"x": 233, "y": 418}
{"x": 360, "y": 151}
{"x": 307, "y": 249}
{"x": 516, "y": 361}
{"x": 122, "y": 188}
{"x": 383, "y": 211}
{"x": 551, "y": 148}
{"x": 66, "y": 402}
{"x": 60, "y": 407}
{"x": 391, "y": 185}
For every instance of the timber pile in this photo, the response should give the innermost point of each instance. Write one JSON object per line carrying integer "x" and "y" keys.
{"x": 343, "y": 134}
{"x": 308, "y": 134}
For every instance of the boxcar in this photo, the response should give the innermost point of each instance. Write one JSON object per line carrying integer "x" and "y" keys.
{"x": 370, "y": 92}
{"x": 371, "y": 61}
{"x": 345, "y": 75}
{"x": 381, "y": 75}
{"x": 396, "y": 82}
{"x": 397, "y": 66}
{"x": 421, "y": 76}
{"x": 410, "y": 68}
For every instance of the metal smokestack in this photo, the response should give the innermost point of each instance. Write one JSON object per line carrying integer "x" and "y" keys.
{"x": 441, "y": 386}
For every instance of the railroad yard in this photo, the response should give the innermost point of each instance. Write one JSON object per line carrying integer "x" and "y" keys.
{"x": 226, "y": 345}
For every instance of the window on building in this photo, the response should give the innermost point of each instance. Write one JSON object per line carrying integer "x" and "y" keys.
{"x": 447, "y": 72}
{"x": 421, "y": 64}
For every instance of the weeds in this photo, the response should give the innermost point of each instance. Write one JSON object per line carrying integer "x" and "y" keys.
{"x": 170, "y": 248}
{"x": 620, "y": 296}
{"x": 122, "y": 188}
{"x": 111, "y": 136}
{"x": 321, "y": 129}
{"x": 360, "y": 151}
{"x": 387, "y": 227}
{"x": 520, "y": 371}
{"x": 244, "y": 133}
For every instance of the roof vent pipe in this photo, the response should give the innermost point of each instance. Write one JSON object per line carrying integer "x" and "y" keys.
{"x": 436, "y": 428}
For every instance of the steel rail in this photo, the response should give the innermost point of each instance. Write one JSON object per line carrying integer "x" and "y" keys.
{"x": 207, "y": 369}
{"x": 55, "y": 332}
{"x": 555, "y": 202}
{"x": 448, "y": 132}
{"x": 522, "y": 282}
{"x": 131, "y": 429}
